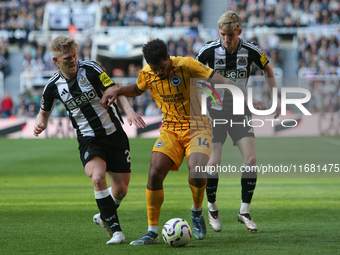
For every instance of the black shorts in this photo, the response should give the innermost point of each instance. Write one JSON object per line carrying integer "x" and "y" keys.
{"x": 236, "y": 126}
{"x": 114, "y": 149}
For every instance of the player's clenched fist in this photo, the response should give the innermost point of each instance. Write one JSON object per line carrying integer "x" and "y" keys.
{"x": 38, "y": 128}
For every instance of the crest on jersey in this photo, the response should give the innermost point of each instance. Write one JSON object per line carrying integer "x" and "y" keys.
{"x": 159, "y": 144}
{"x": 242, "y": 61}
{"x": 175, "y": 81}
{"x": 83, "y": 82}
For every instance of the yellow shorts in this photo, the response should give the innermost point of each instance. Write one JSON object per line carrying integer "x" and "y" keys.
{"x": 180, "y": 143}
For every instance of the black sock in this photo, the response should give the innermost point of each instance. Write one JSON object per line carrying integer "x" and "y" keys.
{"x": 211, "y": 189}
{"x": 248, "y": 183}
{"x": 108, "y": 212}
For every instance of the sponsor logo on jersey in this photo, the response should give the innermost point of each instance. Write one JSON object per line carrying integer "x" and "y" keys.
{"x": 234, "y": 74}
{"x": 86, "y": 154}
{"x": 263, "y": 59}
{"x": 83, "y": 82}
{"x": 175, "y": 81}
{"x": 159, "y": 144}
{"x": 106, "y": 80}
{"x": 79, "y": 100}
{"x": 242, "y": 61}
{"x": 173, "y": 98}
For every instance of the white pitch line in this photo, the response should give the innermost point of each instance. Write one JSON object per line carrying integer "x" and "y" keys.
{"x": 328, "y": 140}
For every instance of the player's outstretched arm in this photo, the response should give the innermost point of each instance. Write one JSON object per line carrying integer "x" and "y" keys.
{"x": 41, "y": 122}
{"x": 132, "y": 116}
{"x": 111, "y": 94}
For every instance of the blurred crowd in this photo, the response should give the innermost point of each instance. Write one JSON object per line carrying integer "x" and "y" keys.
{"x": 155, "y": 13}
{"x": 38, "y": 55}
{"x": 28, "y": 104}
{"x": 4, "y": 55}
{"x": 325, "y": 95}
{"x": 317, "y": 53}
{"x": 288, "y": 13}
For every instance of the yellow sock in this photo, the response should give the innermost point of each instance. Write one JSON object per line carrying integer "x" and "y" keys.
{"x": 154, "y": 201}
{"x": 197, "y": 195}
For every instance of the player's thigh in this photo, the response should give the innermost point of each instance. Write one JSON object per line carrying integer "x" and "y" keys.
{"x": 197, "y": 161}
{"x": 95, "y": 167}
{"x": 197, "y": 141}
{"x": 198, "y": 151}
{"x": 220, "y": 131}
{"x": 170, "y": 144}
{"x": 240, "y": 128}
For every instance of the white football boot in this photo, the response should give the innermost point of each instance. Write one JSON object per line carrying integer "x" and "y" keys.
{"x": 247, "y": 220}
{"x": 214, "y": 217}
{"x": 103, "y": 224}
{"x": 117, "y": 238}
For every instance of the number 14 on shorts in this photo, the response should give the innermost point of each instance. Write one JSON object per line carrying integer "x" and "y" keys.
{"x": 203, "y": 143}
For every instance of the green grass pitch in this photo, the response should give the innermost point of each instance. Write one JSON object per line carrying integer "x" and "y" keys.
{"x": 47, "y": 201}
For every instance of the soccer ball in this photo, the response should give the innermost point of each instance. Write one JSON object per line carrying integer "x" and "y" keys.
{"x": 176, "y": 232}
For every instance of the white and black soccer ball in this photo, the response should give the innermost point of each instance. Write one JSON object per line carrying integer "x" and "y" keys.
{"x": 176, "y": 232}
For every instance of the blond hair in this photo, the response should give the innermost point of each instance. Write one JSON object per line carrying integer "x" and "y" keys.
{"x": 229, "y": 21}
{"x": 62, "y": 43}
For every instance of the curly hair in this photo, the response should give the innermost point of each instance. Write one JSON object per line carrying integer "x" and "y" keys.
{"x": 229, "y": 21}
{"x": 62, "y": 43}
{"x": 155, "y": 51}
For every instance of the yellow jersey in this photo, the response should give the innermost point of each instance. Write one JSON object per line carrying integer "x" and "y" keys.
{"x": 176, "y": 95}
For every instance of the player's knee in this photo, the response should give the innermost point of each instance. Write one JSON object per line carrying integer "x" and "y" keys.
{"x": 121, "y": 193}
{"x": 198, "y": 182}
{"x": 250, "y": 161}
{"x": 214, "y": 162}
{"x": 156, "y": 177}
{"x": 99, "y": 183}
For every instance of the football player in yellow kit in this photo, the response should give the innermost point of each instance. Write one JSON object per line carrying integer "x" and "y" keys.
{"x": 185, "y": 131}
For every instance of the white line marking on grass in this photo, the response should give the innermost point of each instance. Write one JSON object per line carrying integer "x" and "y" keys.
{"x": 328, "y": 140}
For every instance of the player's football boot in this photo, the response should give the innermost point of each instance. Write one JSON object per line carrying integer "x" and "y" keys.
{"x": 199, "y": 228}
{"x": 103, "y": 224}
{"x": 117, "y": 238}
{"x": 214, "y": 217}
{"x": 246, "y": 219}
{"x": 150, "y": 238}
{"x": 215, "y": 220}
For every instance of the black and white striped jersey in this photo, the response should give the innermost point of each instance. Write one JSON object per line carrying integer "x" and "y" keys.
{"x": 81, "y": 97}
{"x": 236, "y": 66}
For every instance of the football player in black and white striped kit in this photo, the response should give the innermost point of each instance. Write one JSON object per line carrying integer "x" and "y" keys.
{"x": 103, "y": 144}
{"x": 232, "y": 57}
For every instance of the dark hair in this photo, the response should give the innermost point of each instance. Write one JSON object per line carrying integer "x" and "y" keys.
{"x": 155, "y": 51}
